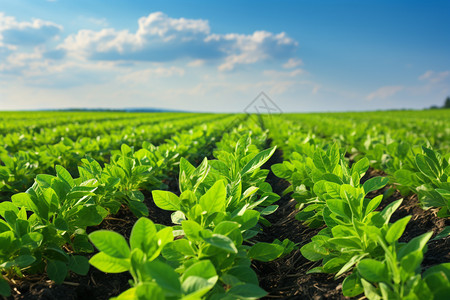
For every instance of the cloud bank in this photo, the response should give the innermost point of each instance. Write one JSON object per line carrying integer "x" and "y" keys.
{"x": 160, "y": 38}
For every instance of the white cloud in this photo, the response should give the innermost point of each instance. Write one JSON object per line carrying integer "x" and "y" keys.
{"x": 292, "y": 63}
{"x": 384, "y": 92}
{"x": 248, "y": 49}
{"x": 275, "y": 73}
{"x": 160, "y": 38}
{"x": 434, "y": 77}
{"x": 197, "y": 63}
{"x": 32, "y": 33}
{"x": 142, "y": 76}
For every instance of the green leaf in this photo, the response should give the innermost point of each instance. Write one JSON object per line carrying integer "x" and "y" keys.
{"x": 265, "y": 252}
{"x": 241, "y": 273}
{"x": 81, "y": 244}
{"x": 411, "y": 261}
{"x": 111, "y": 243}
{"x": 360, "y": 167}
{"x": 23, "y": 261}
{"x": 166, "y": 200}
{"x": 373, "y": 270}
{"x": 444, "y": 233}
{"x": 5, "y": 290}
{"x": 88, "y": 216}
{"x": 352, "y": 287}
{"x": 396, "y": 230}
{"x": 177, "y": 217}
{"x": 373, "y": 204}
{"x": 64, "y": 175}
{"x": 164, "y": 276}
{"x": 370, "y": 291}
{"x": 222, "y": 242}
{"x": 204, "y": 269}
{"x": 195, "y": 287}
{"x": 148, "y": 290}
{"x": 385, "y": 215}
{"x": 192, "y": 230}
{"x": 56, "y": 270}
{"x": 79, "y": 264}
{"x": 258, "y": 160}
{"x": 109, "y": 264}
{"x": 247, "y": 291}
{"x": 214, "y": 199}
{"x": 312, "y": 251}
{"x": 143, "y": 235}
{"x": 340, "y": 208}
{"x": 416, "y": 244}
{"x": 61, "y": 224}
{"x": 427, "y": 166}
{"x": 269, "y": 210}
{"x": 374, "y": 184}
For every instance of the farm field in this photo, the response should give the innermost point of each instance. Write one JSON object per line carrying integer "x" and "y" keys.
{"x": 97, "y": 205}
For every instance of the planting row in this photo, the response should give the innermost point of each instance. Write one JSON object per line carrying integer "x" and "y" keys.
{"x": 410, "y": 162}
{"x": 208, "y": 253}
{"x": 20, "y": 168}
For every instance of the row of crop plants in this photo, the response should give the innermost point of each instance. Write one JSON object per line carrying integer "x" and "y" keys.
{"x": 62, "y": 207}
{"x": 18, "y": 169}
{"x": 207, "y": 254}
{"x": 357, "y": 241}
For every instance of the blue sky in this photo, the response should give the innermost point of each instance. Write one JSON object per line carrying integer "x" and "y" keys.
{"x": 323, "y": 55}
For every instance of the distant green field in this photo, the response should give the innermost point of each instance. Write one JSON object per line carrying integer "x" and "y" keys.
{"x": 201, "y": 201}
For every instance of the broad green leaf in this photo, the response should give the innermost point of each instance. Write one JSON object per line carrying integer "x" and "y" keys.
{"x": 360, "y": 167}
{"x": 149, "y": 290}
{"x": 385, "y": 215}
{"x": 312, "y": 251}
{"x": 64, "y": 175}
{"x": 243, "y": 274}
{"x": 111, "y": 243}
{"x": 61, "y": 224}
{"x": 427, "y": 166}
{"x": 411, "y": 261}
{"x": 370, "y": 291}
{"x": 222, "y": 242}
{"x": 214, "y": 199}
{"x": 203, "y": 269}
{"x": 247, "y": 291}
{"x": 195, "y": 287}
{"x": 164, "y": 276}
{"x": 5, "y": 290}
{"x": 192, "y": 230}
{"x": 373, "y": 270}
{"x": 109, "y": 264}
{"x": 416, "y": 244}
{"x": 79, "y": 264}
{"x": 269, "y": 210}
{"x": 352, "y": 287}
{"x": 258, "y": 160}
{"x": 396, "y": 230}
{"x": 56, "y": 270}
{"x": 166, "y": 200}
{"x": 23, "y": 261}
{"x": 265, "y": 251}
{"x": 143, "y": 235}
{"x": 340, "y": 208}
{"x": 374, "y": 184}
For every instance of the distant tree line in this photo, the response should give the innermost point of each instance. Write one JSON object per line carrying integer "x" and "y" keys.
{"x": 446, "y": 104}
